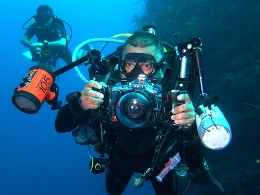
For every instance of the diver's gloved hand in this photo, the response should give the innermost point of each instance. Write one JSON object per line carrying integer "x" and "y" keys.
{"x": 36, "y": 46}
{"x": 90, "y": 98}
{"x": 35, "y": 49}
{"x": 184, "y": 114}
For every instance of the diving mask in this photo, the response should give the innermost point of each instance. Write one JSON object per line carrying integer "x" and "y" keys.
{"x": 43, "y": 17}
{"x": 135, "y": 64}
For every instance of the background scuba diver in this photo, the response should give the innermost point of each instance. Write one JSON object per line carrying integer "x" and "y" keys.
{"x": 134, "y": 151}
{"x": 52, "y": 38}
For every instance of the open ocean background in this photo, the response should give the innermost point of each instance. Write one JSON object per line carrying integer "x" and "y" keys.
{"x": 34, "y": 159}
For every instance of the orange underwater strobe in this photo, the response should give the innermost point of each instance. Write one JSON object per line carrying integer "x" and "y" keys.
{"x": 34, "y": 89}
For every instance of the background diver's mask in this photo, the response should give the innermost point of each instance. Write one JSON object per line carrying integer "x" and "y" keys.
{"x": 140, "y": 61}
{"x": 43, "y": 18}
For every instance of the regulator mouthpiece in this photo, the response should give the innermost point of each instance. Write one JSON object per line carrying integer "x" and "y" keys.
{"x": 213, "y": 128}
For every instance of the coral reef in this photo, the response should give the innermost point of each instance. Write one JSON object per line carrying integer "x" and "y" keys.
{"x": 231, "y": 61}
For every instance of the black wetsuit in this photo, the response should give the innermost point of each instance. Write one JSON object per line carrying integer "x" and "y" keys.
{"x": 53, "y": 33}
{"x": 133, "y": 151}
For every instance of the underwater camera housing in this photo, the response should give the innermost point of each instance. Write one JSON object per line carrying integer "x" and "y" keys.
{"x": 136, "y": 104}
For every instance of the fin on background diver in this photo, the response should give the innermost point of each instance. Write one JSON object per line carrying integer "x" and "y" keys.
{"x": 28, "y": 54}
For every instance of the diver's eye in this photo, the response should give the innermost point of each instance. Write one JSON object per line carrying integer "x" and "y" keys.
{"x": 130, "y": 64}
{"x": 146, "y": 65}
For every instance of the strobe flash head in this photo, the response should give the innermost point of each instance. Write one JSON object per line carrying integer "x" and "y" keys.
{"x": 34, "y": 89}
{"x": 213, "y": 128}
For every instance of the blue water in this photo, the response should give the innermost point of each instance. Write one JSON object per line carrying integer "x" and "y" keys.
{"x": 34, "y": 159}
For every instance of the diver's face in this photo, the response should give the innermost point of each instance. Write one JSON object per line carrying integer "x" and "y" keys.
{"x": 142, "y": 57}
{"x": 44, "y": 19}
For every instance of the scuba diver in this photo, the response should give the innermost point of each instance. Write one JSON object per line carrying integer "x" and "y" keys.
{"x": 119, "y": 122}
{"x": 52, "y": 40}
